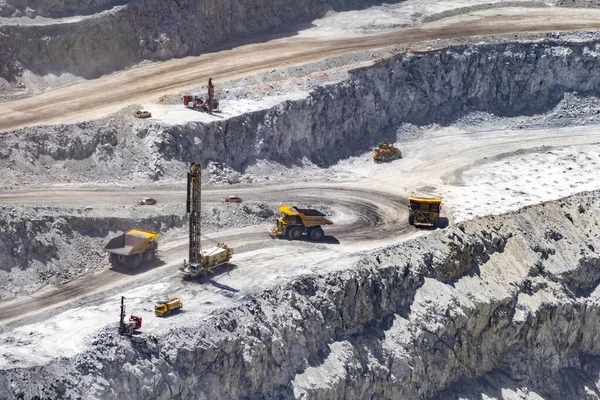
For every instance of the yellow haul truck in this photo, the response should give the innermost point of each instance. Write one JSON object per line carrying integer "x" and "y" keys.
{"x": 424, "y": 211}
{"x": 295, "y": 222}
{"x": 166, "y": 307}
{"x": 132, "y": 248}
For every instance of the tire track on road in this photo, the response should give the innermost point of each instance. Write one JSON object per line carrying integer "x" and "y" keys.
{"x": 96, "y": 98}
{"x": 377, "y": 215}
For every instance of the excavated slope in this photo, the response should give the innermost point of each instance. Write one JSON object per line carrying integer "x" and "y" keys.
{"x": 333, "y": 122}
{"x": 339, "y": 120}
{"x": 512, "y": 296}
{"x": 124, "y": 35}
{"x": 39, "y": 245}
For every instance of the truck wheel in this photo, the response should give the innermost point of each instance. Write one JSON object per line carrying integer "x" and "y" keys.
{"x": 295, "y": 233}
{"x": 317, "y": 234}
{"x": 411, "y": 219}
{"x": 149, "y": 256}
{"x": 134, "y": 261}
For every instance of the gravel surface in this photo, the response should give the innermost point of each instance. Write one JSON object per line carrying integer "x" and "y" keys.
{"x": 492, "y": 305}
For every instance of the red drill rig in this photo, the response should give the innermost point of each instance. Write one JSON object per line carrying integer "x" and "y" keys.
{"x": 208, "y": 104}
{"x": 130, "y": 327}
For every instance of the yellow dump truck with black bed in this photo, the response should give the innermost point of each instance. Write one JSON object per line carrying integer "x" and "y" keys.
{"x": 423, "y": 211}
{"x": 132, "y": 248}
{"x": 295, "y": 222}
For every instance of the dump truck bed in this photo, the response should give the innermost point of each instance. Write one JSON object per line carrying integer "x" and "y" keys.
{"x": 316, "y": 221}
{"x": 172, "y": 302}
{"x": 309, "y": 216}
{"x": 309, "y": 212}
{"x": 131, "y": 242}
{"x": 425, "y": 200}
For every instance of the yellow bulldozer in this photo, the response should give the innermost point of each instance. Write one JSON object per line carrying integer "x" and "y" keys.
{"x": 424, "y": 211}
{"x": 386, "y": 152}
{"x": 296, "y": 222}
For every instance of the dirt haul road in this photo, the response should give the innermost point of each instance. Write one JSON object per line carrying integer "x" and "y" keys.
{"x": 96, "y": 98}
{"x": 368, "y": 210}
{"x": 366, "y": 215}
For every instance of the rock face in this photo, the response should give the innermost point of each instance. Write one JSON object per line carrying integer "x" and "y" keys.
{"x": 41, "y": 244}
{"x": 54, "y": 9}
{"x": 342, "y": 119}
{"x": 497, "y": 301}
{"x": 143, "y": 30}
{"x": 333, "y": 122}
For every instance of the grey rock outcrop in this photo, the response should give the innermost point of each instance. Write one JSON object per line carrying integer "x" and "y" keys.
{"x": 409, "y": 321}
{"x": 337, "y": 120}
{"x": 126, "y": 34}
{"x": 340, "y": 120}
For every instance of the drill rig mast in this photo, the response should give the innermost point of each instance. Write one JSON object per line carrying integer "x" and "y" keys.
{"x": 200, "y": 262}
{"x": 194, "y": 208}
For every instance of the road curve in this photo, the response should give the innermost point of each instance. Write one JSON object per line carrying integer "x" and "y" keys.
{"x": 374, "y": 216}
{"x": 86, "y": 100}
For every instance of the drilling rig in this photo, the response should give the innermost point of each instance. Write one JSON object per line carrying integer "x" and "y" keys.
{"x": 208, "y": 104}
{"x": 128, "y": 328}
{"x": 201, "y": 262}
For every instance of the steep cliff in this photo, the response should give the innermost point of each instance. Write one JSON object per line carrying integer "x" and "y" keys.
{"x": 123, "y": 35}
{"x": 332, "y": 122}
{"x": 512, "y": 295}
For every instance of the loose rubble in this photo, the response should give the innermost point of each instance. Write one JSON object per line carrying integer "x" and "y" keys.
{"x": 447, "y": 310}
{"x": 500, "y": 302}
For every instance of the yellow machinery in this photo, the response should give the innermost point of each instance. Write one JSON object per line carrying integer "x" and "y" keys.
{"x": 295, "y": 222}
{"x": 209, "y": 259}
{"x": 132, "y": 248}
{"x": 166, "y": 307}
{"x": 386, "y": 152}
{"x": 424, "y": 211}
{"x": 201, "y": 261}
